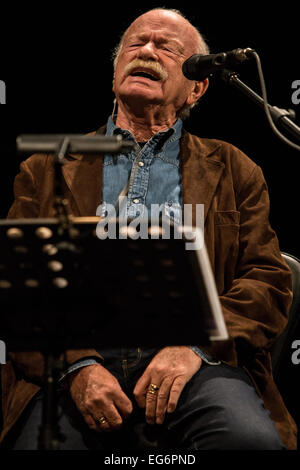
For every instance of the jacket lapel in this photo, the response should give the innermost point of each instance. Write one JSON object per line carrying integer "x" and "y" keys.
{"x": 200, "y": 175}
{"x": 83, "y": 176}
{"x": 200, "y": 171}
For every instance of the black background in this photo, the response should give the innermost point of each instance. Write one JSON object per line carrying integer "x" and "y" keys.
{"x": 55, "y": 60}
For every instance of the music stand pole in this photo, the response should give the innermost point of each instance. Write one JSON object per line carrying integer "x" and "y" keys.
{"x": 60, "y": 203}
{"x": 50, "y": 435}
{"x": 49, "y": 432}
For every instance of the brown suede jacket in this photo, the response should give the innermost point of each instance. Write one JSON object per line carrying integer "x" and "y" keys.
{"x": 253, "y": 281}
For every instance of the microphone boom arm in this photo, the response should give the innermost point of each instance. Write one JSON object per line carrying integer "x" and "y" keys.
{"x": 280, "y": 116}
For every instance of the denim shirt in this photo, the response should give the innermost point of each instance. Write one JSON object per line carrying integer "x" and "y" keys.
{"x": 155, "y": 178}
{"x": 153, "y": 172}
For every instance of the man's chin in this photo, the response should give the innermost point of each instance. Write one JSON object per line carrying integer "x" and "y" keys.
{"x": 141, "y": 98}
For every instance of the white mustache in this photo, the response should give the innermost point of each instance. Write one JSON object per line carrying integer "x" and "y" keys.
{"x": 156, "y": 67}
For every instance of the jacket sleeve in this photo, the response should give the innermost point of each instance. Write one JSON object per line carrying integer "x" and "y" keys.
{"x": 26, "y": 205}
{"x": 256, "y": 305}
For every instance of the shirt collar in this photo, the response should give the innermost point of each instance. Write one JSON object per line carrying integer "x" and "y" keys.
{"x": 160, "y": 137}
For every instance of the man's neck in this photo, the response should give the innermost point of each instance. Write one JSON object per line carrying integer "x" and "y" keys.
{"x": 146, "y": 124}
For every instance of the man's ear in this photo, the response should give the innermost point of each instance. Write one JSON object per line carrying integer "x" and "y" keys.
{"x": 198, "y": 90}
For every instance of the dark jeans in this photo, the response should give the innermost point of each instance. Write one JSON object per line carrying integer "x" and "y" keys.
{"x": 218, "y": 409}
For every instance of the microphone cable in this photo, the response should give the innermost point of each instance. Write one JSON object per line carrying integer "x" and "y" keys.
{"x": 265, "y": 103}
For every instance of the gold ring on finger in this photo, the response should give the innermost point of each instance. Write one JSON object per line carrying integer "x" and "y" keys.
{"x": 153, "y": 389}
{"x": 102, "y": 420}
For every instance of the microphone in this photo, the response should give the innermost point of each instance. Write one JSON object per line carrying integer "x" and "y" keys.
{"x": 198, "y": 67}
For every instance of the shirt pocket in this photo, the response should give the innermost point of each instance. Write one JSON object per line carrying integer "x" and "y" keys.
{"x": 227, "y": 228}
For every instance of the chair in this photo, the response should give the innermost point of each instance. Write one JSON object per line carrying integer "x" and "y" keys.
{"x": 284, "y": 371}
{"x": 282, "y": 348}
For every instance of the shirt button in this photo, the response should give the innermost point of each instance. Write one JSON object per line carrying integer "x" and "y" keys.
{"x": 136, "y": 201}
{"x": 141, "y": 164}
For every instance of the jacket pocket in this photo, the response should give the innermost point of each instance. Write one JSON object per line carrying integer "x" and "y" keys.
{"x": 231, "y": 218}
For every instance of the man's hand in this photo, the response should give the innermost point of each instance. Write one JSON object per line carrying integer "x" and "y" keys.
{"x": 170, "y": 370}
{"x": 99, "y": 397}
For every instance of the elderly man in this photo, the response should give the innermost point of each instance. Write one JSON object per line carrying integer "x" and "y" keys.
{"x": 222, "y": 397}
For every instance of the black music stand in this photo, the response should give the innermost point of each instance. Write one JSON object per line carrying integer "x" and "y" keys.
{"x": 68, "y": 289}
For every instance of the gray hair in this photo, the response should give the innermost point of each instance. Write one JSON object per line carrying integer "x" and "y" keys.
{"x": 202, "y": 48}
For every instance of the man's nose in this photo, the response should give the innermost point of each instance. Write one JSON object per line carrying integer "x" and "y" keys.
{"x": 148, "y": 51}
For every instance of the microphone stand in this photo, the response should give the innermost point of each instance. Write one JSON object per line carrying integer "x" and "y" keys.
{"x": 280, "y": 116}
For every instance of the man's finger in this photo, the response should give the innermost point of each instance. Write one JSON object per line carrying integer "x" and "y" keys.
{"x": 124, "y": 405}
{"x": 140, "y": 389}
{"x": 102, "y": 423}
{"x": 111, "y": 419}
{"x": 90, "y": 421}
{"x": 162, "y": 399}
{"x": 151, "y": 403}
{"x": 175, "y": 393}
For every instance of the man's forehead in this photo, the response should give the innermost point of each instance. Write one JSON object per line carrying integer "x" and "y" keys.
{"x": 164, "y": 22}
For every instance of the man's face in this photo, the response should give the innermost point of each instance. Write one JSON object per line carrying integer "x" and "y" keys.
{"x": 149, "y": 67}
